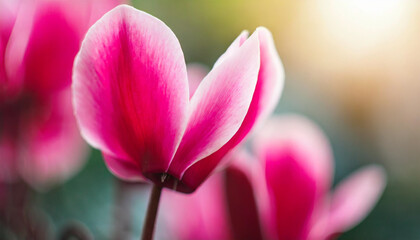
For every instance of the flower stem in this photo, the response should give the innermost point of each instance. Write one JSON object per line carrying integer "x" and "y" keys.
{"x": 149, "y": 223}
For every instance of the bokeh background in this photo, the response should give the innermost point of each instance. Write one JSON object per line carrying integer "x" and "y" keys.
{"x": 351, "y": 66}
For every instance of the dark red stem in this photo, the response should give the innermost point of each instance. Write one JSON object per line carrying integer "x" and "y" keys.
{"x": 149, "y": 222}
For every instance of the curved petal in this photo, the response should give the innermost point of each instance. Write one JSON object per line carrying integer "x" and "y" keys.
{"x": 219, "y": 106}
{"x": 130, "y": 88}
{"x": 128, "y": 170}
{"x": 264, "y": 100}
{"x": 43, "y": 46}
{"x": 200, "y": 215}
{"x": 52, "y": 148}
{"x": 8, "y": 14}
{"x": 298, "y": 172}
{"x": 302, "y": 138}
{"x": 292, "y": 192}
{"x": 354, "y": 198}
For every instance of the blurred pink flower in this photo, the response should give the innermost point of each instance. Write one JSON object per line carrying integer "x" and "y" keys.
{"x": 285, "y": 194}
{"x": 132, "y": 99}
{"x": 39, "y": 139}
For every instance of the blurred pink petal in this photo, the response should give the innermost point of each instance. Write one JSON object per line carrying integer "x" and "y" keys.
{"x": 53, "y": 149}
{"x": 8, "y": 12}
{"x": 201, "y": 215}
{"x": 130, "y": 88}
{"x": 303, "y": 141}
{"x": 298, "y": 167}
{"x": 52, "y": 46}
{"x": 123, "y": 169}
{"x": 292, "y": 193}
{"x": 38, "y": 43}
{"x": 219, "y": 106}
{"x": 265, "y": 98}
{"x": 354, "y": 198}
{"x": 196, "y": 73}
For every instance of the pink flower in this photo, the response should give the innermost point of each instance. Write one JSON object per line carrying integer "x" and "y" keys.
{"x": 132, "y": 99}
{"x": 39, "y": 139}
{"x": 299, "y": 171}
{"x": 285, "y": 194}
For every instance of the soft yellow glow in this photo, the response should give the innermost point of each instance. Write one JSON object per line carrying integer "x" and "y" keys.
{"x": 359, "y": 26}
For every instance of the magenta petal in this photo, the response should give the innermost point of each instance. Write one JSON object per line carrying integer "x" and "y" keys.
{"x": 219, "y": 106}
{"x": 298, "y": 172}
{"x": 307, "y": 142}
{"x": 52, "y": 148}
{"x": 8, "y": 14}
{"x": 292, "y": 194}
{"x": 130, "y": 88}
{"x": 265, "y": 98}
{"x": 128, "y": 170}
{"x": 52, "y": 45}
{"x": 354, "y": 198}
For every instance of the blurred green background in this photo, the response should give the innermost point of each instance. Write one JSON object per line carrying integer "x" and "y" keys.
{"x": 351, "y": 66}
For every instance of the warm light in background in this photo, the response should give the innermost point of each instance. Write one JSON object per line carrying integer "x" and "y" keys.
{"x": 364, "y": 56}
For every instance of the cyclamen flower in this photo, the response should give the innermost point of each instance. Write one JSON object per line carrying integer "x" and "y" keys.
{"x": 283, "y": 194}
{"x": 132, "y": 99}
{"x": 39, "y": 139}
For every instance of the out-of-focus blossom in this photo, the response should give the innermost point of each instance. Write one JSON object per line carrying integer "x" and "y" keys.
{"x": 39, "y": 139}
{"x": 285, "y": 194}
{"x": 299, "y": 170}
{"x": 132, "y": 99}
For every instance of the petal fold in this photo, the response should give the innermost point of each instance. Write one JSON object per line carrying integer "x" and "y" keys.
{"x": 219, "y": 106}
{"x": 266, "y": 95}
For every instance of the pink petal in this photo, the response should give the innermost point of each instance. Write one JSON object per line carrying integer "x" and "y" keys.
{"x": 243, "y": 184}
{"x": 52, "y": 148}
{"x": 292, "y": 193}
{"x": 264, "y": 100}
{"x": 124, "y": 169}
{"x": 354, "y": 198}
{"x": 298, "y": 172}
{"x": 7, "y": 19}
{"x": 219, "y": 106}
{"x": 130, "y": 89}
{"x": 200, "y": 215}
{"x": 307, "y": 142}
{"x": 43, "y": 46}
{"x": 8, "y": 13}
{"x": 196, "y": 73}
